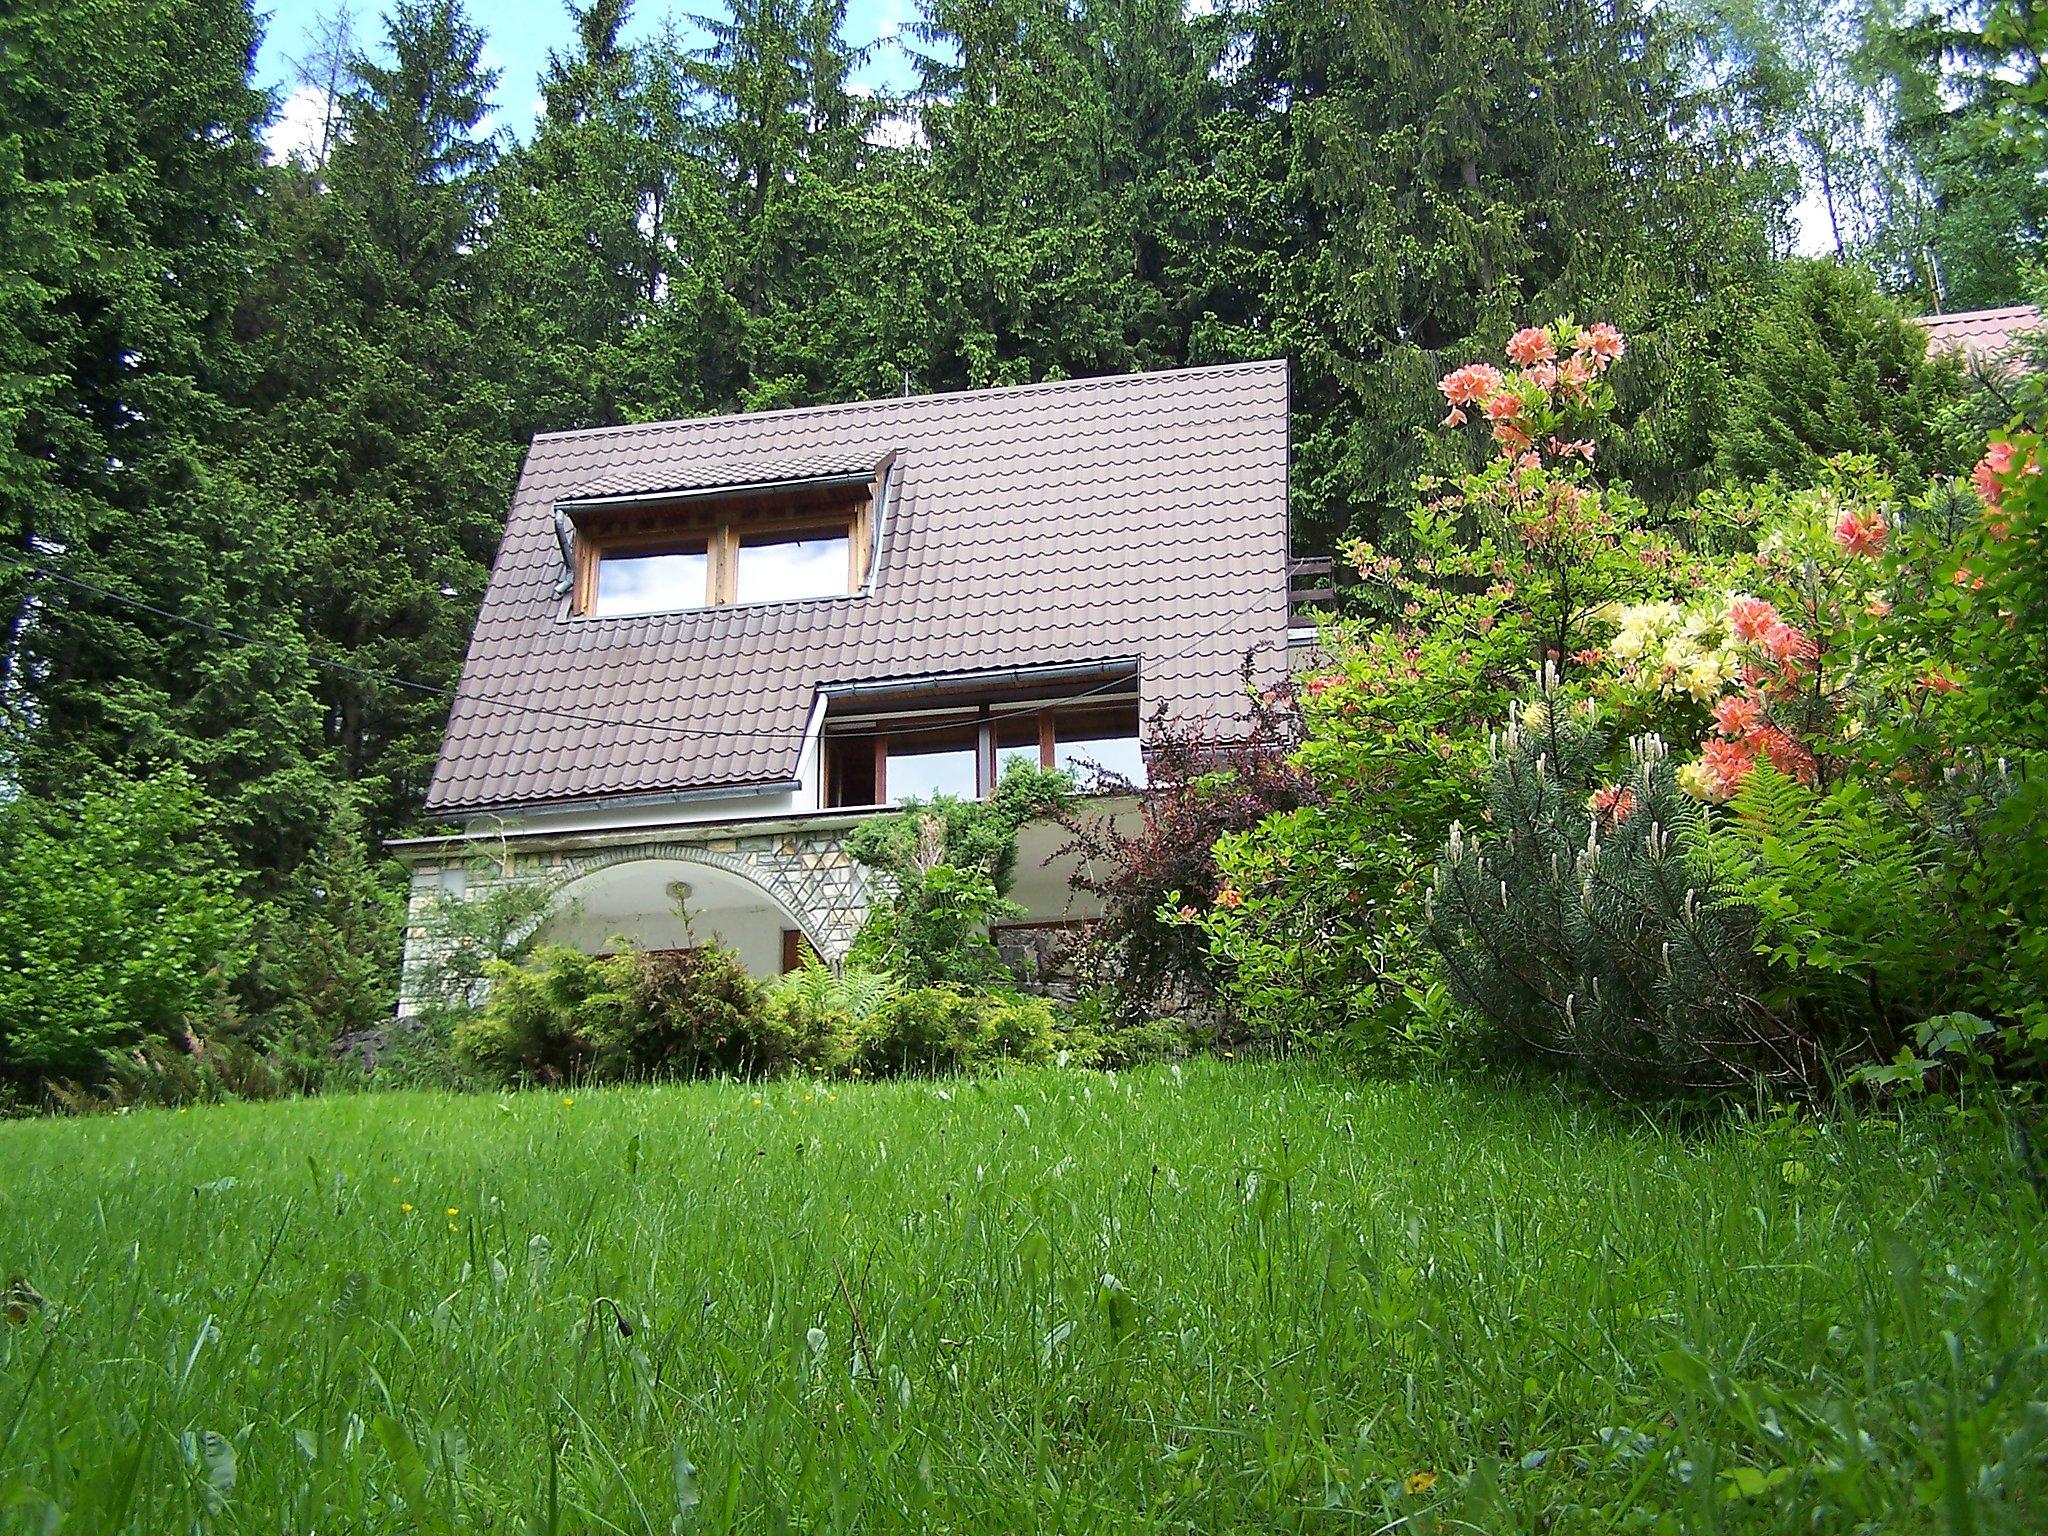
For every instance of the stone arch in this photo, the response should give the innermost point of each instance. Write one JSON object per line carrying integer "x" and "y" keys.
{"x": 778, "y": 877}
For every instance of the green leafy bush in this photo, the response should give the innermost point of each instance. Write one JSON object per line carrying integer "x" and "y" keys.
{"x": 827, "y": 1010}
{"x": 544, "y": 1014}
{"x": 121, "y": 928}
{"x": 952, "y": 1029}
{"x": 945, "y": 869}
{"x": 692, "y": 1013}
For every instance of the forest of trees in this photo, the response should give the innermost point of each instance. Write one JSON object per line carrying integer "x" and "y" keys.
{"x": 259, "y": 420}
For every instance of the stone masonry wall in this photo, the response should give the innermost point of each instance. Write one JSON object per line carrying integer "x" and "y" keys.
{"x": 808, "y": 872}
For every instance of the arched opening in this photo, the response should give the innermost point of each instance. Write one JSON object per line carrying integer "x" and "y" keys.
{"x": 672, "y": 903}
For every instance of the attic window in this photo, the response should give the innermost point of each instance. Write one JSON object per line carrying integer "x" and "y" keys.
{"x": 671, "y": 551}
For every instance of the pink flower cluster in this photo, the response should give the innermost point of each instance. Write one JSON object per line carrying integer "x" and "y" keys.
{"x": 1786, "y": 650}
{"x": 1861, "y": 532}
{"x": 1745, "y": 735}
{"x": 1744, "y": 731}
{"x": 1533, "y": 350}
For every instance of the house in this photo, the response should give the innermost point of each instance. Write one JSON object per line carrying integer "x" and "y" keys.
{"x": 1989, "y": 341}
{"x": 710, "y": 648}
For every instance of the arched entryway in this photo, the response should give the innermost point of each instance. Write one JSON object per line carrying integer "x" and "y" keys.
{"x": 674, "y": 902}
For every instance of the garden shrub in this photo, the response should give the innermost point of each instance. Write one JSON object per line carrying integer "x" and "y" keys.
{"x": 693, "y": 1013}
{"x": 945, "y": 869}
{"x": 543, "y": 1016}
{"x": 1582, "y": 930}
{"x": 122, "y": 926}
{"x": 1205, "y": 779}
{"x": 1877, "y": 765}
{"x": 952, "y": 1029}
{"x": 827, "y": 1010}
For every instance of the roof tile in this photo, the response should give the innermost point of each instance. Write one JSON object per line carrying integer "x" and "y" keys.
{"x": 1141, "y": 514}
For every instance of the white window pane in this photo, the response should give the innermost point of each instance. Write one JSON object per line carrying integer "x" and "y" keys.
{"x": 943, "y": 771}
{"x": 1113, "y": 756}
{"x": 651, "y": 583}
{"x": 779, "y": 570}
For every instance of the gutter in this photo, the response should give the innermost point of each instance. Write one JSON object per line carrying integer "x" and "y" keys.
{"x": 574, "y": 504}
{"x": 1057, "y": 672}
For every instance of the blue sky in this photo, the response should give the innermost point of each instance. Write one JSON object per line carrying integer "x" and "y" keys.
{"x": 521, "y": 33}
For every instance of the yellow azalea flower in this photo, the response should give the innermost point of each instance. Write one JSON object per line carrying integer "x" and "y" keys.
{"x": 1418, "y": 1482}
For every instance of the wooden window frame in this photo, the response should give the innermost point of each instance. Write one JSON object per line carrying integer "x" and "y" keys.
{"x": 720, "y": 530}
{"x": 877, "y": 736}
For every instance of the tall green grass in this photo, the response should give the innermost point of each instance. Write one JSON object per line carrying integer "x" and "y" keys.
{"x": 1218, "y": 1299}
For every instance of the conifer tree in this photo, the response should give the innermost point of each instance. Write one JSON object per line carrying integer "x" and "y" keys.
{"x": 383, "y": 396}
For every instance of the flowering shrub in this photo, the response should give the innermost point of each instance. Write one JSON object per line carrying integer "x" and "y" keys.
{"x": 1148, "y": 953}
{"x": 1318, "y": 922}
{"x": 1873, "y": 754}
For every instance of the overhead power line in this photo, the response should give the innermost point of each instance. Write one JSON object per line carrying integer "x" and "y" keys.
{"x": 517, "y": 706}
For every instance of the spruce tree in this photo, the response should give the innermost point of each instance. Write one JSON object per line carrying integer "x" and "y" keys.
{"x": 384, "y": 397}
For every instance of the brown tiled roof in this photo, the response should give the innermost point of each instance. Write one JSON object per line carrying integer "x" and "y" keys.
{"x": 1141, "y": 516}
{"x": 1982, "y": 335}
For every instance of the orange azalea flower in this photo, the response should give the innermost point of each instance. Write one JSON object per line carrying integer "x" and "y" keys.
{"x": 1471, "y": 384}
{"x": 1603, "y": 343}
{"x": 1531, "y": 345}
{"x": 1861, "y": 533}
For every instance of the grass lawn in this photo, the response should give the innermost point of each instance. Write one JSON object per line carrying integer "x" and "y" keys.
{"x": 1247, "y": 1298}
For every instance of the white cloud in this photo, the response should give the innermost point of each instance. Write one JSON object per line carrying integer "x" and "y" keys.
{"x": 295, "y": 133}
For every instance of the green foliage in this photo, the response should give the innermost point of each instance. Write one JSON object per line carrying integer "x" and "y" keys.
{"x": 544, "y": 1015}
{"x": 121, "y": 924}
{"x": 490, "y": 922}
{"x": 692, "y": 1013}
{"x": 1091, "y": 1034}
{"x": 828, "y": 1010}
{"x": 561, "y": 1015}
{"x": 946, "y": 869}
{"x": 1824, "y": 366}
{"x": 950, "y": 1029}
{"x": 1581, "y": 929}
{"x": 1844, "y": 897}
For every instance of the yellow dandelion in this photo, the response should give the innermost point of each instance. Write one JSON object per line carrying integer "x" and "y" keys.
{"x": 405, "y": 1206}
{"x": 567, "y": 1101}
{"x": 451, "y": 1226}
{"x": 1418, "y": 1482}
{"x": 452, "y": 1211}
{"x": 856, "y": 1071}
{"x": 757, "y": 1098}
{"x": 394, "y": 1178}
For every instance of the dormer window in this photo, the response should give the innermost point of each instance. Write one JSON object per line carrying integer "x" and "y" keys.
{"x": 770, "y": 540}
{"x": 629, "y": 581}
